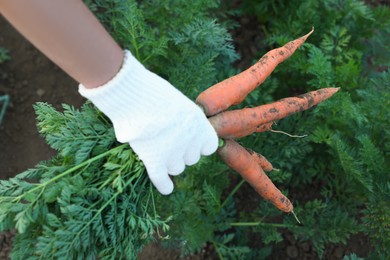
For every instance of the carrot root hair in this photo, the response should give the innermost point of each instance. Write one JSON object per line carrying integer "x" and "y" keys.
{"x": 290, "y": 135}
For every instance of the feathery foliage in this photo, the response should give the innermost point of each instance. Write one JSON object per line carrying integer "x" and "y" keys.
{"x": 94, "y": 200}
{"x": 347, "y": 150}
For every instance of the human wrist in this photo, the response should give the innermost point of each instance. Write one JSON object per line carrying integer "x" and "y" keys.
{"x": 107, "y": 70}
{"x": 70, "y": 35}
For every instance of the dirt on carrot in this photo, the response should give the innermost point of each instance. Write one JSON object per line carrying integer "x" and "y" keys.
{"x": 261, "y": 160}
{"x": 246, "y": 132}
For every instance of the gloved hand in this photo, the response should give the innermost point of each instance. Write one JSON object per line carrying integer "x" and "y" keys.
{"x": 165, "y": 128}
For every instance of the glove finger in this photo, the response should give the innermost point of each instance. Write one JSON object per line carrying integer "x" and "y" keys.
{"x": 176, "y": 166}
{"x": 210, "y": 142}
{"x": 160, "y": 179}
{"x": 192, "y": 156}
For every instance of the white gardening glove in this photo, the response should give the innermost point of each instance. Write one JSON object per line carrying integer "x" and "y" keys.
{"x": 165, "y": 128}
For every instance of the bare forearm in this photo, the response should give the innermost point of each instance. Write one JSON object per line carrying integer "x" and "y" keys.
{"x": 69, "y": 34}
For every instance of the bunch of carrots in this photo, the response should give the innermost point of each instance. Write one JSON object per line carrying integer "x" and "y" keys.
{"x": 233, "y": 124}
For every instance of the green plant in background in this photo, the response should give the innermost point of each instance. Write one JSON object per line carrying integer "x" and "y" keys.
{"x": 4, "y": 99}
{"x": 348, "y": 151}
{"x": 93, "y": 198}
{"x": 178, "y": 40}
{"x": 4, "y": 54}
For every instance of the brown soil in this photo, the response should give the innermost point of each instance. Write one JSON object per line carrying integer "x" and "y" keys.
{"x": 28, "y": 77}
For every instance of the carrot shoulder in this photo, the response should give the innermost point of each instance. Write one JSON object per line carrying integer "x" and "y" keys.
{"x": 230, "y": 122}
{"x": 240, "y": 160}
{"x": 233, "y": 90}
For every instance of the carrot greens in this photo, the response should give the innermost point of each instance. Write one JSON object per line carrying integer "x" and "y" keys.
{"x": 93, "y": 199}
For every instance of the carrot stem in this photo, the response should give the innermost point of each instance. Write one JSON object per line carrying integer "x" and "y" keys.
{"x": 238, "y": 186}
{"x": 259, "y": 223}
{"x": 217, "y": 250}
{"x": 221, "y": 142}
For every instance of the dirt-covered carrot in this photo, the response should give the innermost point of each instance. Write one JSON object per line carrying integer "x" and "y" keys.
{"x": 261, "y": 160}
{"x": 240, "y": 160}
{"x": 246, "y": 132}
{"x": 233, "y": 90}
{"x": 235, "y": 121}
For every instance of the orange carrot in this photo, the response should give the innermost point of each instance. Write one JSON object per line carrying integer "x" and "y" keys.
{"x": 234, "y": 121}
{"x": 240, "y": 160}
{"x": 261, "y": 160}
{"x": 233, "y": 90}
{"x": 246, "y": 132}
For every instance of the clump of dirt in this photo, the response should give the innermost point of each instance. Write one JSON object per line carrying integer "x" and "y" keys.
{"x": 6, "y": 244}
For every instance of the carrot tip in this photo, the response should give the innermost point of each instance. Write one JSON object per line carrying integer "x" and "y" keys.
{"x": 304, "y": 37}
{"x": 333, "y": 90}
